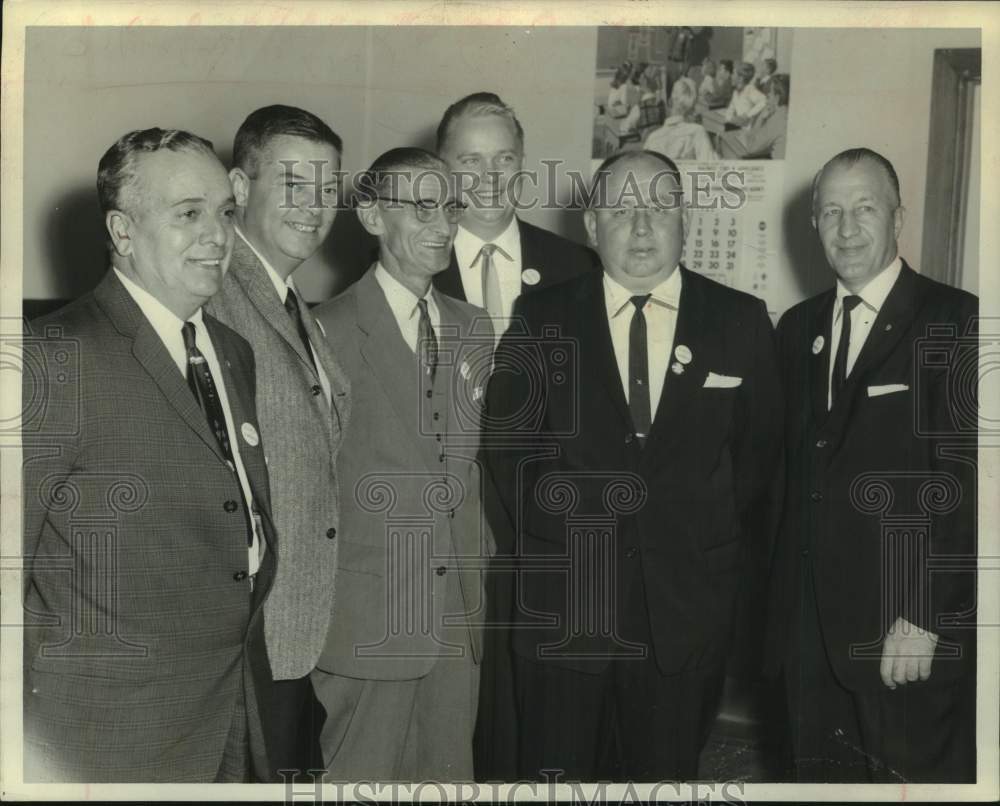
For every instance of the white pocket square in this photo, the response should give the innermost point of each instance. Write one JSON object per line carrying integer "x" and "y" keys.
{"x": 887, "y": 389}
{"x": 714, "y": 381}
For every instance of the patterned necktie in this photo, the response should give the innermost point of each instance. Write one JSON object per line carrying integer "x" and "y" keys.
{"x": 427, "y": 346}
{"x": 492, "y": 301}
{"x": 638, "y": 371}
{"x": 840, "y": 362}
{"x": 292, "y": 306}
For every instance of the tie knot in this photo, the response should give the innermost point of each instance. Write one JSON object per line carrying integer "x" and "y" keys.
{"x": 488, "y": 249}
{"x": 422, "y": 304}
{"x": 188, "y": 333}
{"x": 291, "y": 301}
{"x": 640, "y": 300}
{"x": 851, "y": 302}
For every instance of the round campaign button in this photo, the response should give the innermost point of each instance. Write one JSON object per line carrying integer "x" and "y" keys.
{"x": 818, "y": 345}
{"x": 250, "y": 435}
{"x": 530, "y": 277}
{"x": 683, "y": 353}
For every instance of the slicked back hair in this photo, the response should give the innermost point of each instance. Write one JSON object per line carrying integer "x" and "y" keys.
{"x": 116, "y": 172}
{"x": 263, "y": 125}
{"x": 479, "y": 104}
{"x": 604, "y": 169}
{"x": 850, "y": 158}
{"x": 379, "y": 177}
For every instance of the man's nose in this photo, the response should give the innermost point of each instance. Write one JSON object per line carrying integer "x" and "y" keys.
{"x": 848, "y": 225}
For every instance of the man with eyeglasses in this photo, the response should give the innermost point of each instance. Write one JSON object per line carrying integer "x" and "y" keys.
{"x": 399, "y": 672}
{"x": 284, "y": 177}
{"x": 631, "y": 476}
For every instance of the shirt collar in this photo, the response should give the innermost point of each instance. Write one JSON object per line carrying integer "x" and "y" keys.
{"x": 281, "y": 286}
{"x": 874, "y": 294}
{"x": 159, "y": 315}
{"x": 467, "y": 244}
{"x": 667, "y": 293}
{"x": 402, "y": 301}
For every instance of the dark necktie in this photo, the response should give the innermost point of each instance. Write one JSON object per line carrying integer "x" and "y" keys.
{"x": 638, "y": 371}
{"x": 199, "y": 378}
{"x": 427, "y": 346}
{"x": 292, "y": 306}
{"x": 840, "y": 362}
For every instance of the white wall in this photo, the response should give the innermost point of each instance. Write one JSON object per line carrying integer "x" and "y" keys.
{"x": 385, "y": 87}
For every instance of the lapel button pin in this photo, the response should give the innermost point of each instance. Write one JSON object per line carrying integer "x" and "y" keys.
{"x": 818, "y": 343}
{"x": 888, "y": 328}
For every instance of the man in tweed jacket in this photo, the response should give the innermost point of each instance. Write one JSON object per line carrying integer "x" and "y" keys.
{"x": 148, "y": 540}
{"x": 284, "y": 180}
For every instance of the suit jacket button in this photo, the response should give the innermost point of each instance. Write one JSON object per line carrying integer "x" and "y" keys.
{"x": 821, "y": 443}
{"x": 632, "y": 552}
{"x": 331, "y": 533}
{"x": 316, "y": 389}
{"x": 816, "y": 495}
{"x": 451, "y": 513}
{"x": 437, "y": 415}
{"x": 230, "y": 506}
{"x": 440, "y": 570}
{"x": 805, "y": 552}
{"x": 629, "y": 438}
{"x": 239, "y": 576}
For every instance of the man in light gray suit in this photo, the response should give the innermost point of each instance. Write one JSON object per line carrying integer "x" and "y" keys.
{"x": 399, "y": 675}
{"x": 284, "y": 178}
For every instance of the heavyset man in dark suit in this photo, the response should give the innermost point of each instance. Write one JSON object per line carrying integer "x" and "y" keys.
{"x": 148, "y": 538}
{"x": 399, "y": 672}
{"x": 285, "y": 182}
{"x": 496, "y": 256}
{"x": 631, "y": 435}
{"x": 877, "y": 647}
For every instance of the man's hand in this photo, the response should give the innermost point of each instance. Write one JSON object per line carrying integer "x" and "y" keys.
{"x": 906, "y": 654}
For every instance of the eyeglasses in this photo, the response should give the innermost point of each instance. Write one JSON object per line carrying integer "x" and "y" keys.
{"x": 425, "y": 209}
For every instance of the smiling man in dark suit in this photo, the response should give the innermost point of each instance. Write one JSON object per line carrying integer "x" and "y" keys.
{"x": 881, "y": 485}
{"x": 630, "y": 435}
{"x": 285, "y": 179}
{"x": 148, "y": 538}
{"x": 497, "y": 256}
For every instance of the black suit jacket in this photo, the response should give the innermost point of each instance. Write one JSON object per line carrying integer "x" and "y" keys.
{"x": 882, "y": 488}
{"x": 555, "y": 258}
{"x": 594, "y": 513}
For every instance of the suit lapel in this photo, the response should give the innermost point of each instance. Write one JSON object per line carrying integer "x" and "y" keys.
{"x": 595, "y": 340}
{"x": 391, "y": 360}
{"x": 693, "y": 323}
{"x": 150, "y": 352}
{"x": 530, "y": 257}
{"x": 820, "y": 332}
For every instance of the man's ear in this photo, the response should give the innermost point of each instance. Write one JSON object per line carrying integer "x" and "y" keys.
{"x": 897, "y": 221}
{"x": 686, "y": 215}
{"x": 241, "y": 186}
{"x": 119, "y": 227}
{"x": 370, "y": 217}
{"x": 590, "y": 223}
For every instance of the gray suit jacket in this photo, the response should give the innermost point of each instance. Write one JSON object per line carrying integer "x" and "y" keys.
{"x": 301, "y": 435}
{"x": 414, "y": 539}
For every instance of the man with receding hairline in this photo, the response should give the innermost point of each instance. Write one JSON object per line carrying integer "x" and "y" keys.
{"x": 630, "y": 467}
{"x": 878, "y": 653}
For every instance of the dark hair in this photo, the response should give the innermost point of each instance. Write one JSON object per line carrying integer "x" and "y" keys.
{"x": 780, "y": 87}
{"x": 117, "y": 168}
{"x": 268, "y": 122}
{"x": 398, "y": 161}
{"x": 728, "y": 64}
{"x": 601, "y": 174}
{"x": 771, "y": 64}
{"x": 476, "y": 105}
{"x": 852, "y": 157}
{"x": 747, "y": 71}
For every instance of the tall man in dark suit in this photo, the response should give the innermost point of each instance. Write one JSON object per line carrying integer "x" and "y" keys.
{"x": 399, "y": 673}
{"x": 630, "y": 435}
{"x": 148, "y": 538}
{"x": 881, "y": 491}
{"x": 496, "y": 258}
{"x": 285, "y": 182}
{"x": 496, "y": 255}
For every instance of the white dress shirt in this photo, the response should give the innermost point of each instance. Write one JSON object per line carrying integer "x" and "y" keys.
{"x": 508, "y": 268}
{"x": 873, "y": 297}
{"x": 661, "y": 322}
{"x": 168, "y": 327}
{"x": 746, "y": 103}
{"x": 281, "y": 287}
{"x": 406, "y": 312}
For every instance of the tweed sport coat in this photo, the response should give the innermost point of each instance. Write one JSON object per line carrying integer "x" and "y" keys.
{"x": 303, "y": 434}
{"x": 139, "y": 634}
